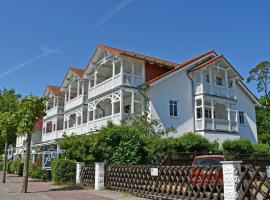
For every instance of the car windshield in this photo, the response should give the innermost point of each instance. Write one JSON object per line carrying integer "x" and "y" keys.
{"x": 207, "y": 161}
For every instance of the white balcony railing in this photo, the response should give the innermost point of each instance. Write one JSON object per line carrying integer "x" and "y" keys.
{"x": 83, "y": 128}
{"x": 99, "y": 123}
{"x": 54, "y": 111}
{"x": 217, "y": 125}
{"x": 128, "y": 80}
{"x": 79, "y": 100}
{"x": 104, "y": 86}
{"x": 215, "y": 90}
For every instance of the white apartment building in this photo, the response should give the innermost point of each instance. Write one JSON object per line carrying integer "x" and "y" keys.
{"x": 204, "y": 95}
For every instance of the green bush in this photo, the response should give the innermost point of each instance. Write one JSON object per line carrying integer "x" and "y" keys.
{"x": 241, "y": 146}
{"x": 36, "y": 172}
{"x": 261, "y": 149}
{"x": 15, "y": 167}
{"x": 195, "y": 143}
{"x": 1, "y": 165}
{"x": 63, "y": 171}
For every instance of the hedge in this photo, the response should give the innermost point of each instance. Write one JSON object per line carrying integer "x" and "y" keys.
{"x": 36, "y": 172}
{"x": 63, "y": 171}
{"x": 15, "y": 167}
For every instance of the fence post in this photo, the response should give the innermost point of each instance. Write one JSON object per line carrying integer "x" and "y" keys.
{"x": 79, "y": 166}
{"x": 99, "y": 175}
{"x": 231, "y": 178}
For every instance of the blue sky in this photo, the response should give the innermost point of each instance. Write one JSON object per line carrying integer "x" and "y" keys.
{"x": 174, "y": 30}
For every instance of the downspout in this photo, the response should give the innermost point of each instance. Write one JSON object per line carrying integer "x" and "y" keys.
{"x": 193, "y": 100}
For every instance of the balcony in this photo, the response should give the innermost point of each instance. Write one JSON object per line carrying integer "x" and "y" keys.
{"x": 216, "y": 125}
{"x": 113, "y": 82}
{"x": 77, "y": 101}
{"x": 105, "y": 86}
{"x": 49, "y": 136}
{"x": 54, "y": 111}
{"x": 101, "y": 122}
{"x": 204, "y": 88}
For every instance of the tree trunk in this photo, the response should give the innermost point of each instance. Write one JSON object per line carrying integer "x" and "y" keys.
{"x": 5, "y": 164}
{"x": 26, "y": 164}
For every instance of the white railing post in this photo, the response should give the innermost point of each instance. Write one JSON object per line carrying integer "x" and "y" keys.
{"x": 231, "y": 178}
{"x": 99, "y": 175}
{"x": 79, "y": 166}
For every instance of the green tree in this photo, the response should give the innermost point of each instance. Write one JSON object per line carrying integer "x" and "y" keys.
{"x": 30, "y": 109}
{"x": 8, "y": 126}
{"x": 9, "y": 100}
{"x": 261, "y": 74}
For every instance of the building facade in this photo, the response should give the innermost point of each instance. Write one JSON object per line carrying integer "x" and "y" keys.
{"x": 204, "y": 95}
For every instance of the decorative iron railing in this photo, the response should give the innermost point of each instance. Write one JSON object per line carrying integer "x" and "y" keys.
{"x": 87, "y": 175}
{"x": 254, "y": 184}
{"x": 170, "y": 182}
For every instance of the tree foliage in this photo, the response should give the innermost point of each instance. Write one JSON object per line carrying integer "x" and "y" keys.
{"x": 261, "y": 74}
{"x": 241, "y": 146}
{"x": 30, "y": 109}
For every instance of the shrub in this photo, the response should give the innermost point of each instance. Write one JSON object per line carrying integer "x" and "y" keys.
{"x": 1, "y": 165}
{"x": 36, "y": 172}
{"x": 195, "y": 143}
{"x": 63, "y": 171}
{"x": 15, "y": 167}
{"x": 261, "y": 149}
{"x": 241, "y": 146}
{"x": 157, "y": 149}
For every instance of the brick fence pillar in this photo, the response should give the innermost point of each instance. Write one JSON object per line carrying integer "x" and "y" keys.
{"x": 231, "y": 178}
{"x": 79, "y": 166}
{"x": 99, "y": 175}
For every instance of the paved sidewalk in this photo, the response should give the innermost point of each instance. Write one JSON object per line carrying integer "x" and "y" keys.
{"x": 38, "y": 190}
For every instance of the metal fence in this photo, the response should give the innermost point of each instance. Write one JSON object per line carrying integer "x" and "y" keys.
{"x": 87, "y": 175}
{"x": 167, "y": 182}
{"x": 253, "y": 184}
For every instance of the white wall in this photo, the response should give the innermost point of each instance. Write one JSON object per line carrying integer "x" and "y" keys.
{"x": 219, "y": 136}
{"x": 177, "y": 87}
{"x": 249, "y": 130}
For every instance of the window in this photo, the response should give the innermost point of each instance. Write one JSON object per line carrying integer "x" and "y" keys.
{"x": 230, "y": 84}
{"x": 241, "y": 117}
{"x": 173, "y": 108}
{"x": 218, "y": 81}
{"x": 208, "y": 113}
{"x": 207, "y": 79}
{"x": 199, "y": 113}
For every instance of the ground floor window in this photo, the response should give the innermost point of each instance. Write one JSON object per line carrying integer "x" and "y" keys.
{"x": 241, "y": 117}
{"x": 173, "y": 108}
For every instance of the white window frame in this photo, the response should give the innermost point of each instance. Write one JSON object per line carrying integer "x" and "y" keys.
{"x": 172, "y": 104}
{"x": 241, "y": 118}
{"x": 216, "y": 81}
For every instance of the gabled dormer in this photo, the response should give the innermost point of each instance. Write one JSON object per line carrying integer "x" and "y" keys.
{"x": 55, "y": 101}
{"x": 215, "y": 76}
{"x": 74, "y": 88}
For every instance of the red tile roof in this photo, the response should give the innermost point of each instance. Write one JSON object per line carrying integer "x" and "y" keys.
{"x": 137, "y": 55}
{"x": 55, "y": 90}
{"x": 76, "y": 71}
{"x": 207, "y": 62}
{"x": 181, "y": 65}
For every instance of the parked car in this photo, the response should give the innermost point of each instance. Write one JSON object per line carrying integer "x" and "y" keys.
{"x": 208, "y": 160}
{"x": 206, "y": 163}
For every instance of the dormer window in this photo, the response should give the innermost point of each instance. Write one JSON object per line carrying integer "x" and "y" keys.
{"x": 218, "y": 81}
{"x": 207, "y": 79}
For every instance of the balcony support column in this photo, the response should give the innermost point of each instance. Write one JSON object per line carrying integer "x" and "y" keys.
{"x": 212, "y": 114}
{"x": 132, "y": 74}
{"x": 203, "y": 113}
{"x": 132, "y": 102}
{"x": 54, "y": 102}
{"x": 121, "y": 71}
{"x": 121, "y": 104}
{"x": 226, "y": 83}
{"x": 210, "y": 79}
{"x": 78, "y": 88}
{"x": 234, "y": 93}
{"x": 201, "y": 80}
{"x": 69, "y": 92}
{"x": 113, "y": 69}
{"x": 229, "y": 117}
